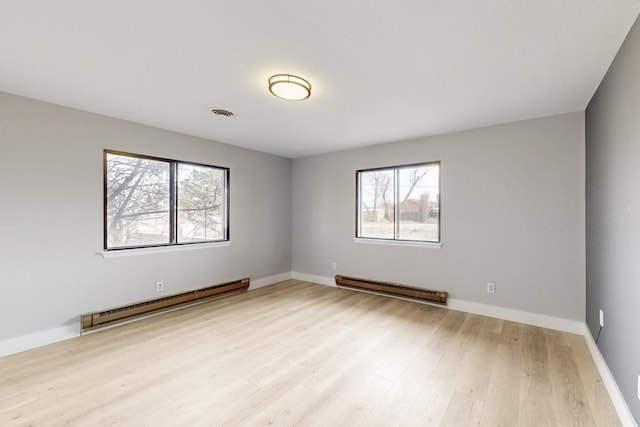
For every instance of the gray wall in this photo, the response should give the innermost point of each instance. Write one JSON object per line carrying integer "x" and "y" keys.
{"x": 613, "y": 216}
{"x": 512, "y": 213}
{"x": 51, "y": 216}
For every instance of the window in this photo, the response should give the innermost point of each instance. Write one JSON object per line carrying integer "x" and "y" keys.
{"x": 399, "y": 203}
{"x": 159, "y": 202}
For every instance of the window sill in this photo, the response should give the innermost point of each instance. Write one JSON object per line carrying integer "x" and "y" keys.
{"x": 428, "y": 245}
{"x": 162, "y": 249}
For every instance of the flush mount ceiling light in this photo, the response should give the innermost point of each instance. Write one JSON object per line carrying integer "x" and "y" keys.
{"x": 289, "y": 87}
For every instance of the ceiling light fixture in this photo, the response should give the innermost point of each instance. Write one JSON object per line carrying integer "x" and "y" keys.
{"x": 289, "y": 87}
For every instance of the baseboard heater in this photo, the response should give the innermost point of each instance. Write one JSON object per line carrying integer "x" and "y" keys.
{"x": 121, "y": 314}
{"x": 394, "y": 289}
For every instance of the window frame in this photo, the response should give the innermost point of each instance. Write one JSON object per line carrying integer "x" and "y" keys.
{"x": 396, "y": 210}
{"x": 173, "y": 202}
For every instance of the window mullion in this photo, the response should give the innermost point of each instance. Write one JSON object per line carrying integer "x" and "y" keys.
{"x": 358, "y": 204}
{"x": 227, "y": 184}
{"x": 173, "y": 203}
{"x": 396, "y": 210}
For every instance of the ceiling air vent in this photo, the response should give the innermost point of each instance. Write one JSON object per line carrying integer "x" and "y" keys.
{"x": 221, "y": 112}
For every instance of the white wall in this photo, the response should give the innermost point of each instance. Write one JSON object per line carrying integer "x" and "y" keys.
{"x": 512, "y": 206}
{"x": 613, "y": 217}
{"x": 512, "y": 213}
{"x": 52, "y": 212}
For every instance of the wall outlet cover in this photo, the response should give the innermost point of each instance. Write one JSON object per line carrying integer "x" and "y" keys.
{"x": 601, "y": 318}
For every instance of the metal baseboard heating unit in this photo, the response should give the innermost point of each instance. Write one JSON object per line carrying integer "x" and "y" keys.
{"x": 122, "y": 314}
{"x": 393, "y": 289}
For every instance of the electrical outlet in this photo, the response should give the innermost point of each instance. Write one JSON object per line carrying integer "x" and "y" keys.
{"x": 159, "y": 286}
{"x": 334, "y": 266}
{"x": 491, "y": 288}
{"x": 601, "y": 318}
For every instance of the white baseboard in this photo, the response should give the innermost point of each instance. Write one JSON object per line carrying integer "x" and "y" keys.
{"x": 535, "y": 319}
{"x": 62, "y": 333}
{"x": 529, "y": 318}
{"x": 526, "y": 317}
{"x": 266, "y": 281}
{"x": 38, "y": 339}
{"x": 50, "y": 336}
{"x": 327, "y": 281}
{"x": 625, "y": 414}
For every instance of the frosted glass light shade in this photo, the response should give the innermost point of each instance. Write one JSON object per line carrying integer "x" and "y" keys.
{"x": 289, "y": 87}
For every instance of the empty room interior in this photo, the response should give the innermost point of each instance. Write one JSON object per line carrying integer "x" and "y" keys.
{"x": 414, "y": 213}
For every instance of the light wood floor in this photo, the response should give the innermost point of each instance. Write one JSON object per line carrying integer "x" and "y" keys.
{"x": 301, "y": 354}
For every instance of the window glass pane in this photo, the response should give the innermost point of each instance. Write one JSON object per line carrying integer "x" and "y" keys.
{"x": 137, "y": 201}
{"x": 377, "y": 204}
{"x": 419, "y": 195}
{"x": 201, "y": 199}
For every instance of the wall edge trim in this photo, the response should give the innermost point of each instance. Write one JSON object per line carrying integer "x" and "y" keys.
{"x": 529, "y": 318}
{"x": 268, "y": 281}
{"x": 50, "y": 336}
{"x": 38, "y": 339}
{"x": 623, "y": 410}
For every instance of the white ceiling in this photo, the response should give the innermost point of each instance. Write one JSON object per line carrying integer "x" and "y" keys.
{"x": 381, "y": 71}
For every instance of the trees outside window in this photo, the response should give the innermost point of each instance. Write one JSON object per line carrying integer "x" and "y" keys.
{"x": 200, "y": 203}
{"x": 157, "y": 202}
{"x": 399, "y": 203}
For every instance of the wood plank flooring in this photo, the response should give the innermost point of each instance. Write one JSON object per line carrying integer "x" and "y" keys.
{"x": 301, "y": 354}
